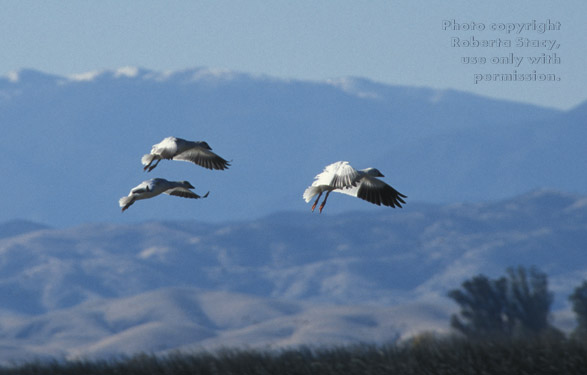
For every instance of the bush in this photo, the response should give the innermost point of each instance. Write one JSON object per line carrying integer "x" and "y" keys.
{"x": 514, "y": 306}
{"x": 579, "y": 301}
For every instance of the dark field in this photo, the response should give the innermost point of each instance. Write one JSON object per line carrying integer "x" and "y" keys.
{"x": 424, "y": 355}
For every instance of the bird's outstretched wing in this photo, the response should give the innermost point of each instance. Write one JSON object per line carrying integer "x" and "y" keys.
{"x": 337, "y": 175}
{"x": 203, "y": 157}
{"x": 377, "y": 192}
{"x": 184, "y": 193}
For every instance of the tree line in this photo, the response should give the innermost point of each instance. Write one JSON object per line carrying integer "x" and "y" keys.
{"x": 516, "y": 305}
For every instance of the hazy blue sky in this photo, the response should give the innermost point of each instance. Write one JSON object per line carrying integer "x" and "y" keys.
{"x": 396, "y": 42}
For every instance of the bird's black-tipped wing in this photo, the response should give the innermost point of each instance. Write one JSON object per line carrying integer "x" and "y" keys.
{"x": 184, "y": 193}
{"x": 378, "y": 192}
{"x": 204, "y": 158}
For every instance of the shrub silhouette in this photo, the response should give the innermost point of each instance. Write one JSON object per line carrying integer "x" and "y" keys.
{"x": 579, "y": 301}
{"x": 514, "y": 306}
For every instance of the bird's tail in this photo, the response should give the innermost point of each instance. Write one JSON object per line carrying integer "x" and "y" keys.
{"x": 310, "y": 192}
{"x": 147, "y": 159}
{"x": 125, "y": 202}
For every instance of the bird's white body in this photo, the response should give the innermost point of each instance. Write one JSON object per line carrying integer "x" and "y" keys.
{"x": 340, "y": 177}
{"x": 173, "y": 148}
{"x": 337, "y": 175}
{"x": 153, "y": 187}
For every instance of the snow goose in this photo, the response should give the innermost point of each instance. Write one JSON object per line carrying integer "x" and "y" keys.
{"x": 342, "y": 178}
{"x": 153, "y": 187}
{"x": 197, "y": 152}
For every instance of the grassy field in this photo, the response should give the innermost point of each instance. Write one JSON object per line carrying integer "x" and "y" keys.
{"x": 425, "y": 355}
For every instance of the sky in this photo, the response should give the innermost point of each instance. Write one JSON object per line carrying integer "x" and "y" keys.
{"x": 416, "y": 43}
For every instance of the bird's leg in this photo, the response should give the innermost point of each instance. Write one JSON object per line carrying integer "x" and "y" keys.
{"x": 316, "y": 201}
{"x": 148, "y": 165}
{"x": 324, "y": 201}
{"x": 153, "y": 166}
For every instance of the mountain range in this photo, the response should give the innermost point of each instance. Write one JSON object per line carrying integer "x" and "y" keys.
{"x": 72, "y": 144}
{"x": 490, "y": 184}
{"x": 284, "y": 279}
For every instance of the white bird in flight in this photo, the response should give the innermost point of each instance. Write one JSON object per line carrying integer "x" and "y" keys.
{"x": 342, "y": 178}
{"x": 153, "y": 187}
{"x": 198, "y": 152}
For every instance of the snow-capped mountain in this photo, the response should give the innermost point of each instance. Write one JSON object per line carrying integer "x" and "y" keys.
{"x": 72, "y": 145}
{"x": 284, "y": 279}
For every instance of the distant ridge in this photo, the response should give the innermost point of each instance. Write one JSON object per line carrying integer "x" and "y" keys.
{"x": 285, "y": 279}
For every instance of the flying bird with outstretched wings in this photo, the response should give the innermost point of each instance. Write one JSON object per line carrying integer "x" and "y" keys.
{"x": 341, "y": 177}
{"x": 172, "y": 148}
{"x": 155, "y": 186}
